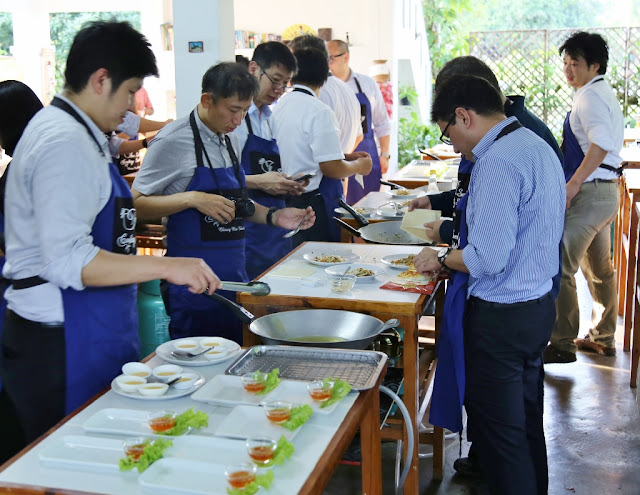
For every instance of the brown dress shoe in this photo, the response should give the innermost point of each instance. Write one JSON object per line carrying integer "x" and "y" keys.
{"x": 586, "y": 344}
{"x": 553, "y": 355}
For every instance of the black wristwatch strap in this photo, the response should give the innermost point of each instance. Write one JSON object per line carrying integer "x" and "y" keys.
{"x": 270, "y": 213}
{"x": 443, "y": 258}
{"x": 145, "y": 144}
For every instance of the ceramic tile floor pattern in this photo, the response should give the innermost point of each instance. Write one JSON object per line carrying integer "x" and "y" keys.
{"x": 592, "y": 427}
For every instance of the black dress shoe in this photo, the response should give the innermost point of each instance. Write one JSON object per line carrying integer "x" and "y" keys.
{"x": 467, "y": 467}
{"x": 553, "y": 355}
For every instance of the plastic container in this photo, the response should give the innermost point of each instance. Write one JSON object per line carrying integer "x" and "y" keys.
{"x": 153, "y": 320}
{"x": 433, "y": 183}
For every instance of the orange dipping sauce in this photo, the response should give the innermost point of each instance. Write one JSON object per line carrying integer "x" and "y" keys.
{"x": 261, "y": 454}
{"x": 320, "y": 394}
{"x": 135, "y": 451}
{"x": 278, "y": 415}
{"x": 162, "y": 424}
{"x": 254, "y": 387}
{"x": 240, "y": 479}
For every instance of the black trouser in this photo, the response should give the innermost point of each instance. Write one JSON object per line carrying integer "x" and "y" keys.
{"x": 504, "y": 391}
{"x": 320, "y": 229}
{"x": 32, "y": 364}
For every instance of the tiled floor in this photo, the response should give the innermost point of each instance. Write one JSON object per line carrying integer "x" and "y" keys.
{"x": 592, "y": 429}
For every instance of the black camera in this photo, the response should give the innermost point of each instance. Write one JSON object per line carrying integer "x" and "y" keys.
{"x": 244, "y": 207}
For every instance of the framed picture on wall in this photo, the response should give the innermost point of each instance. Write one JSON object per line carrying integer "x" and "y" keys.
{"x": 196, "y": 47}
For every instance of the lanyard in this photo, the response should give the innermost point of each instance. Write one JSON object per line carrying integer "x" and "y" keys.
{"x": 200, "y": 150}
{"x": 64, "y": 106}
{"x": 302, "y": 90}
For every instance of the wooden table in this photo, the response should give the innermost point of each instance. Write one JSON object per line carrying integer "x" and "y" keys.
{"x": 635, "y": 341}
{"x": 319, "y": 445}
{"x": 631, "y": 135}
{"x": 625, "y": 248}
{"x": 631, "y": 156}
{"x": 416, "y": 174}
{"x": 418, "y": 368}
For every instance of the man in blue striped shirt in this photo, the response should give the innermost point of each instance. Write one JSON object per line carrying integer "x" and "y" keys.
{"x": 514, "y": 218}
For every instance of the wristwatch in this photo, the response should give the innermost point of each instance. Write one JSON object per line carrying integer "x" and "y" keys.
{"x": 270, "y": 213}
{"x": 442, "y": 255}
{"x": 386, "y": 155}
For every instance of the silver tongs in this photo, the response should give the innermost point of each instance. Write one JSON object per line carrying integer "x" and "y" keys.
{"x": 255, "y": 288}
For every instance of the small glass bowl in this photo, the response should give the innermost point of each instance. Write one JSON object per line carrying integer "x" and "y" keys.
{"x": 134, "y": 447}
{"x": 342, "y": 283}
{"x": 261, "y": 450}
{"x": 240, "y": 475}
{"x": 320, "y": 390}
{"x": 160, "y": 421}
{"x": 254, "y": 382}
{"x": 277, "y": 411}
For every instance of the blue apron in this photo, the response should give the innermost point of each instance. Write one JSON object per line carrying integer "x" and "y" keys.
{"x": 264, "y": 243}
{"x": 355, "y": 192}
{"x": 221, "y": 246}
{"x": 449, "y": 382}
{"x": 331, "y": 191}
{"x": 4, "y": 284}
{"x": 101, "y": 323}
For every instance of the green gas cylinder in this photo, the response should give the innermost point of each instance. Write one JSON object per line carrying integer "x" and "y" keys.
{"x": 153, "y": 320}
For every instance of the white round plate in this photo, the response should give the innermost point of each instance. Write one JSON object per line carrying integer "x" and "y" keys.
{"x": 347, "y": 257}
{"x": 366, "y": 214}
{"x": 389, "y": 259}
{"x": 172, "y": 392}
{"x": 390, "y": 212}
{"x": 377, "y": 270}
{"x": 413, "y": 194}
{"x": 164, "y": 351}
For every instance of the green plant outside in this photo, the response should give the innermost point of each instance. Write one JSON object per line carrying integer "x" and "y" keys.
{"x": 6, "y": 32}
{"x": 413, "y": 134}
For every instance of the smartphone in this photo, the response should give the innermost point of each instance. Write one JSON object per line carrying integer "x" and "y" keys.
{"x": 304, "y": 177}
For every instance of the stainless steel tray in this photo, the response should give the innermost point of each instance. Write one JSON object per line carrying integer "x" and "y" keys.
{"x": 360, "y": 369}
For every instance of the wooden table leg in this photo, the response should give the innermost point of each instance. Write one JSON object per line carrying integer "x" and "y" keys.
{"x": 370, "y": 447}
{"x": 630, "y": 292}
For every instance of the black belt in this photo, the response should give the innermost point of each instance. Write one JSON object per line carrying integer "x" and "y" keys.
{"x": 605, "y": 181}
{"x": 27, "y": 283}
{"x": 481, "y": 303}
{"x": 15, "y": 317}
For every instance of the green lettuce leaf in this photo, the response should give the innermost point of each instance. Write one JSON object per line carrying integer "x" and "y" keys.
{"x": 299, "y": 416}
{"x": 339, "y": 392}
{"x": 153, "y": 450}
{"x": 186, "y": 421}
{"x": 284, "y": 450}
{"x": 272, "y": 382}
{"x": 261, "y": 480}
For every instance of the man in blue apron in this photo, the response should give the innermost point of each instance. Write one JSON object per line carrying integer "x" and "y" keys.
{"x": 593, "y": 136}
{"x": 192, "y": 175}
{"x": 509, "y": 310}
{"x": 309, "y": 141}
{"x": 70, "y": 236}
{"x": 272, "y": 65}
{"x": 375, "y": 120}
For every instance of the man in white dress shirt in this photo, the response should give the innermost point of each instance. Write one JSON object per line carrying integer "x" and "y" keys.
{"x": 375, "y": 120}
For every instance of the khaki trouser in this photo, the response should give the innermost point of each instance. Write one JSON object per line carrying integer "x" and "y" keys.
{"x": 586, "y": 244}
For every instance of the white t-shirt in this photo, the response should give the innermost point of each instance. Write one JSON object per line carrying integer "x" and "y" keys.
{"x": 339, "y": 97}
{"x": 307, "y": 134}
{"x": 596, "y": 118}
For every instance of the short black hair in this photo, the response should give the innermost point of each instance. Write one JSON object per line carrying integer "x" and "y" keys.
{"x": 274, "y": 53}
{"x": 228, "y": 79}
{"x": 242, "y": 60}
{"x": 313, "y": 67}
{"x": 308, "y": 41}
{"x": 469, "y": 65}
{"x": 469, "y": 92}
{"x": 115, "y": 46}
{"x": 591, "y": 46}
{"x": 19, "y": 104}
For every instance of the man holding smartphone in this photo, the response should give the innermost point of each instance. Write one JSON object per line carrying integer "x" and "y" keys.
{"x": 272, "y": 66}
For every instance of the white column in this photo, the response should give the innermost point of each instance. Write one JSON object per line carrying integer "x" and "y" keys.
{"x": 212, "y": 23}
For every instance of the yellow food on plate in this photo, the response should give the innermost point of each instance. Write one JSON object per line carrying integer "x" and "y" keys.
{"x": 362, "y": 272}
{"x": 402, "y": 192}
{"x": 412, "y": 274}
{"x": 408, "y": 260}
{"x": 329, "y": 258}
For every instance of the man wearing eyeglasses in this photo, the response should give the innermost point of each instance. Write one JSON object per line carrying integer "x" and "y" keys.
{"x": 272, "y": 66}
{"x": 375, "y": 120}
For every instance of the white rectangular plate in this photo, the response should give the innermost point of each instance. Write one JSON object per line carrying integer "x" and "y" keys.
{"x": 87, "y": 453}
{"x": 248, "y": 421}
{"x": 121, "y": 422}
{"x": 227, "y": 390}
{"x": 297, "y": 393}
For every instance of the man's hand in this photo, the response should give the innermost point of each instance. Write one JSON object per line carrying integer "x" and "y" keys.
{"x": 426, "y": 261}
{"x": 384, "y": 164}
{"x": 213, "y": 205}
{"x": 193, "y": 272}
{"x": 572, "y": 190}
{"x": 275, "y": 183}
{"x": 290, "y": 218}
{"x": 355, "y": 155}
{"x": 422, "y": 203}
{"x": 433, "y": 230}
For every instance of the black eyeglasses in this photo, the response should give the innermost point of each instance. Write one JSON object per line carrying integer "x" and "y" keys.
{"x": 333, "y": 57}
{"x": 277, "y": 86}
{"x": 443, "y": 138}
